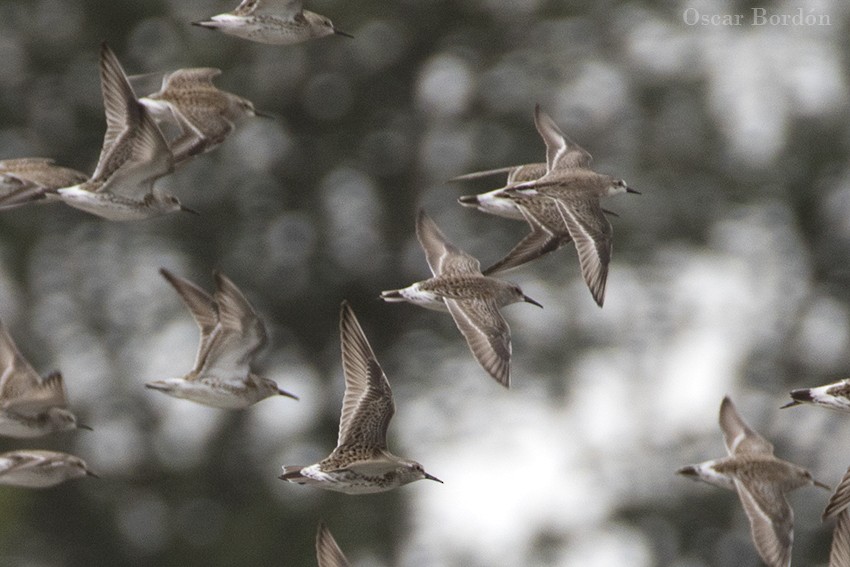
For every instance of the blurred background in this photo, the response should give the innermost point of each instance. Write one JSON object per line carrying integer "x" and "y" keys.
{"x": 729, "y": 276}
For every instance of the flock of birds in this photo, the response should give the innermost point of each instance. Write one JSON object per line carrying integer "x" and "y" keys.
{"x": 559, "y": 199}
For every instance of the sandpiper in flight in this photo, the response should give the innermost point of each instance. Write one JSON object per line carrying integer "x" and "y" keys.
{"x": 560, "y": 206}
{"x": 133, "y": 157}
{"x": 328, "y": 553}
{"x": 761, "y": 481}
{"x": 204, "y": 113}
{"x": 25, "y": 180}
{"x": 231, "y": 335}
{"x": 473, "y": 299}
{"x": 30, "y": 406}
{"x": 40, "y": 469}
{"x": 361, "y": 463}
{"x": 833, "y": 396}
{"x": 278, "y": 22}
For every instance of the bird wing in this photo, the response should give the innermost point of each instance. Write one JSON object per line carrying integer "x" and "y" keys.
{"x": 191, "y": 77}
{"x": 367, "y": 406}
{"x": 739, "y": 437}
{"x": 242, "y": 334}
{"x": 443, "y": 256}
{"x": 21, "y": 388}
{"x": 22, "y": 460}
{"x": 328, "y": 553}
{"x": 134, "y": 152}
{"x": 771, "y": 521}
{"x": 516, "y": 173}
{"x": 487, "y": 334}
{"x": 840, "y": 498}
{"x": 282, "y": 8}
{"x": 839, "y": 555}
{"x": 542, "y": 239}
{"x": 26, "y": 398}
{"x": 592, "y": 234}
{"x": 203, "y": 308}
{"x": 561, "y": 152}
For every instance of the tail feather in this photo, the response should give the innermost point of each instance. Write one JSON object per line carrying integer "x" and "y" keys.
{"x": 392, "y": 295}
{"x": 292, "y": 473}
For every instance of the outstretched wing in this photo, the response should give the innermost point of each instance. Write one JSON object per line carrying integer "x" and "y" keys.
{"x": 771, "y": 521}
{"x": 487, "y": 334}
{"x": 328, "y": 553}
{"x": 561, "y": 152}
{"x": 368, "y": 403}
{"x": 242, "y": 332}
{"x": 443, "y": 256}
{"x": 203, "y": 309}
{"x": 21, "y": 388}
{"x": 548, "y": 233}
{"x": 740, "y": 438}
{"x": 592, "y": 234}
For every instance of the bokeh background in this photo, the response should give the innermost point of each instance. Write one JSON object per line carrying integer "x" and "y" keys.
{"x": 729, "y": 276}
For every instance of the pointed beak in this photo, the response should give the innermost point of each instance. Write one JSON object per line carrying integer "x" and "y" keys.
{"x": 531, "y": 301}
{"x": 340, "y": 32}
{"x": 86, "y": 427}
{"x": 635, "y": 191}
{"x": 432, "y": 477}
{"x": 283, "y": 392}
{"x": 821, "y": 485}
{"x": 791, "y": 404}
{"x": 91, "y": 474}
{"x": 188, "y": 210}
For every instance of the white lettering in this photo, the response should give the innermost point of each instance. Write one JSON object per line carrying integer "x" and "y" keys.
{"x": 690, "y": 16}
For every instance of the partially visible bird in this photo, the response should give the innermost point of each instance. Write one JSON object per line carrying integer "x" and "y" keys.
{"x": 278, "y": 22}
{"x": 761, "y": 481}
{"x": 30, "y": 406}
{"x": 204, "y": 114}
{"x": 32, "y": 468}
{"x": 832, "y": 396}
{"x": 328, "y": 553}
{"x": 26, "y": 180}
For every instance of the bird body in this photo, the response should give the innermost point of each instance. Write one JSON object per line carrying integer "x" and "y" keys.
{"x": 40, "y": 469}
{"x": 276, "y": 22}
